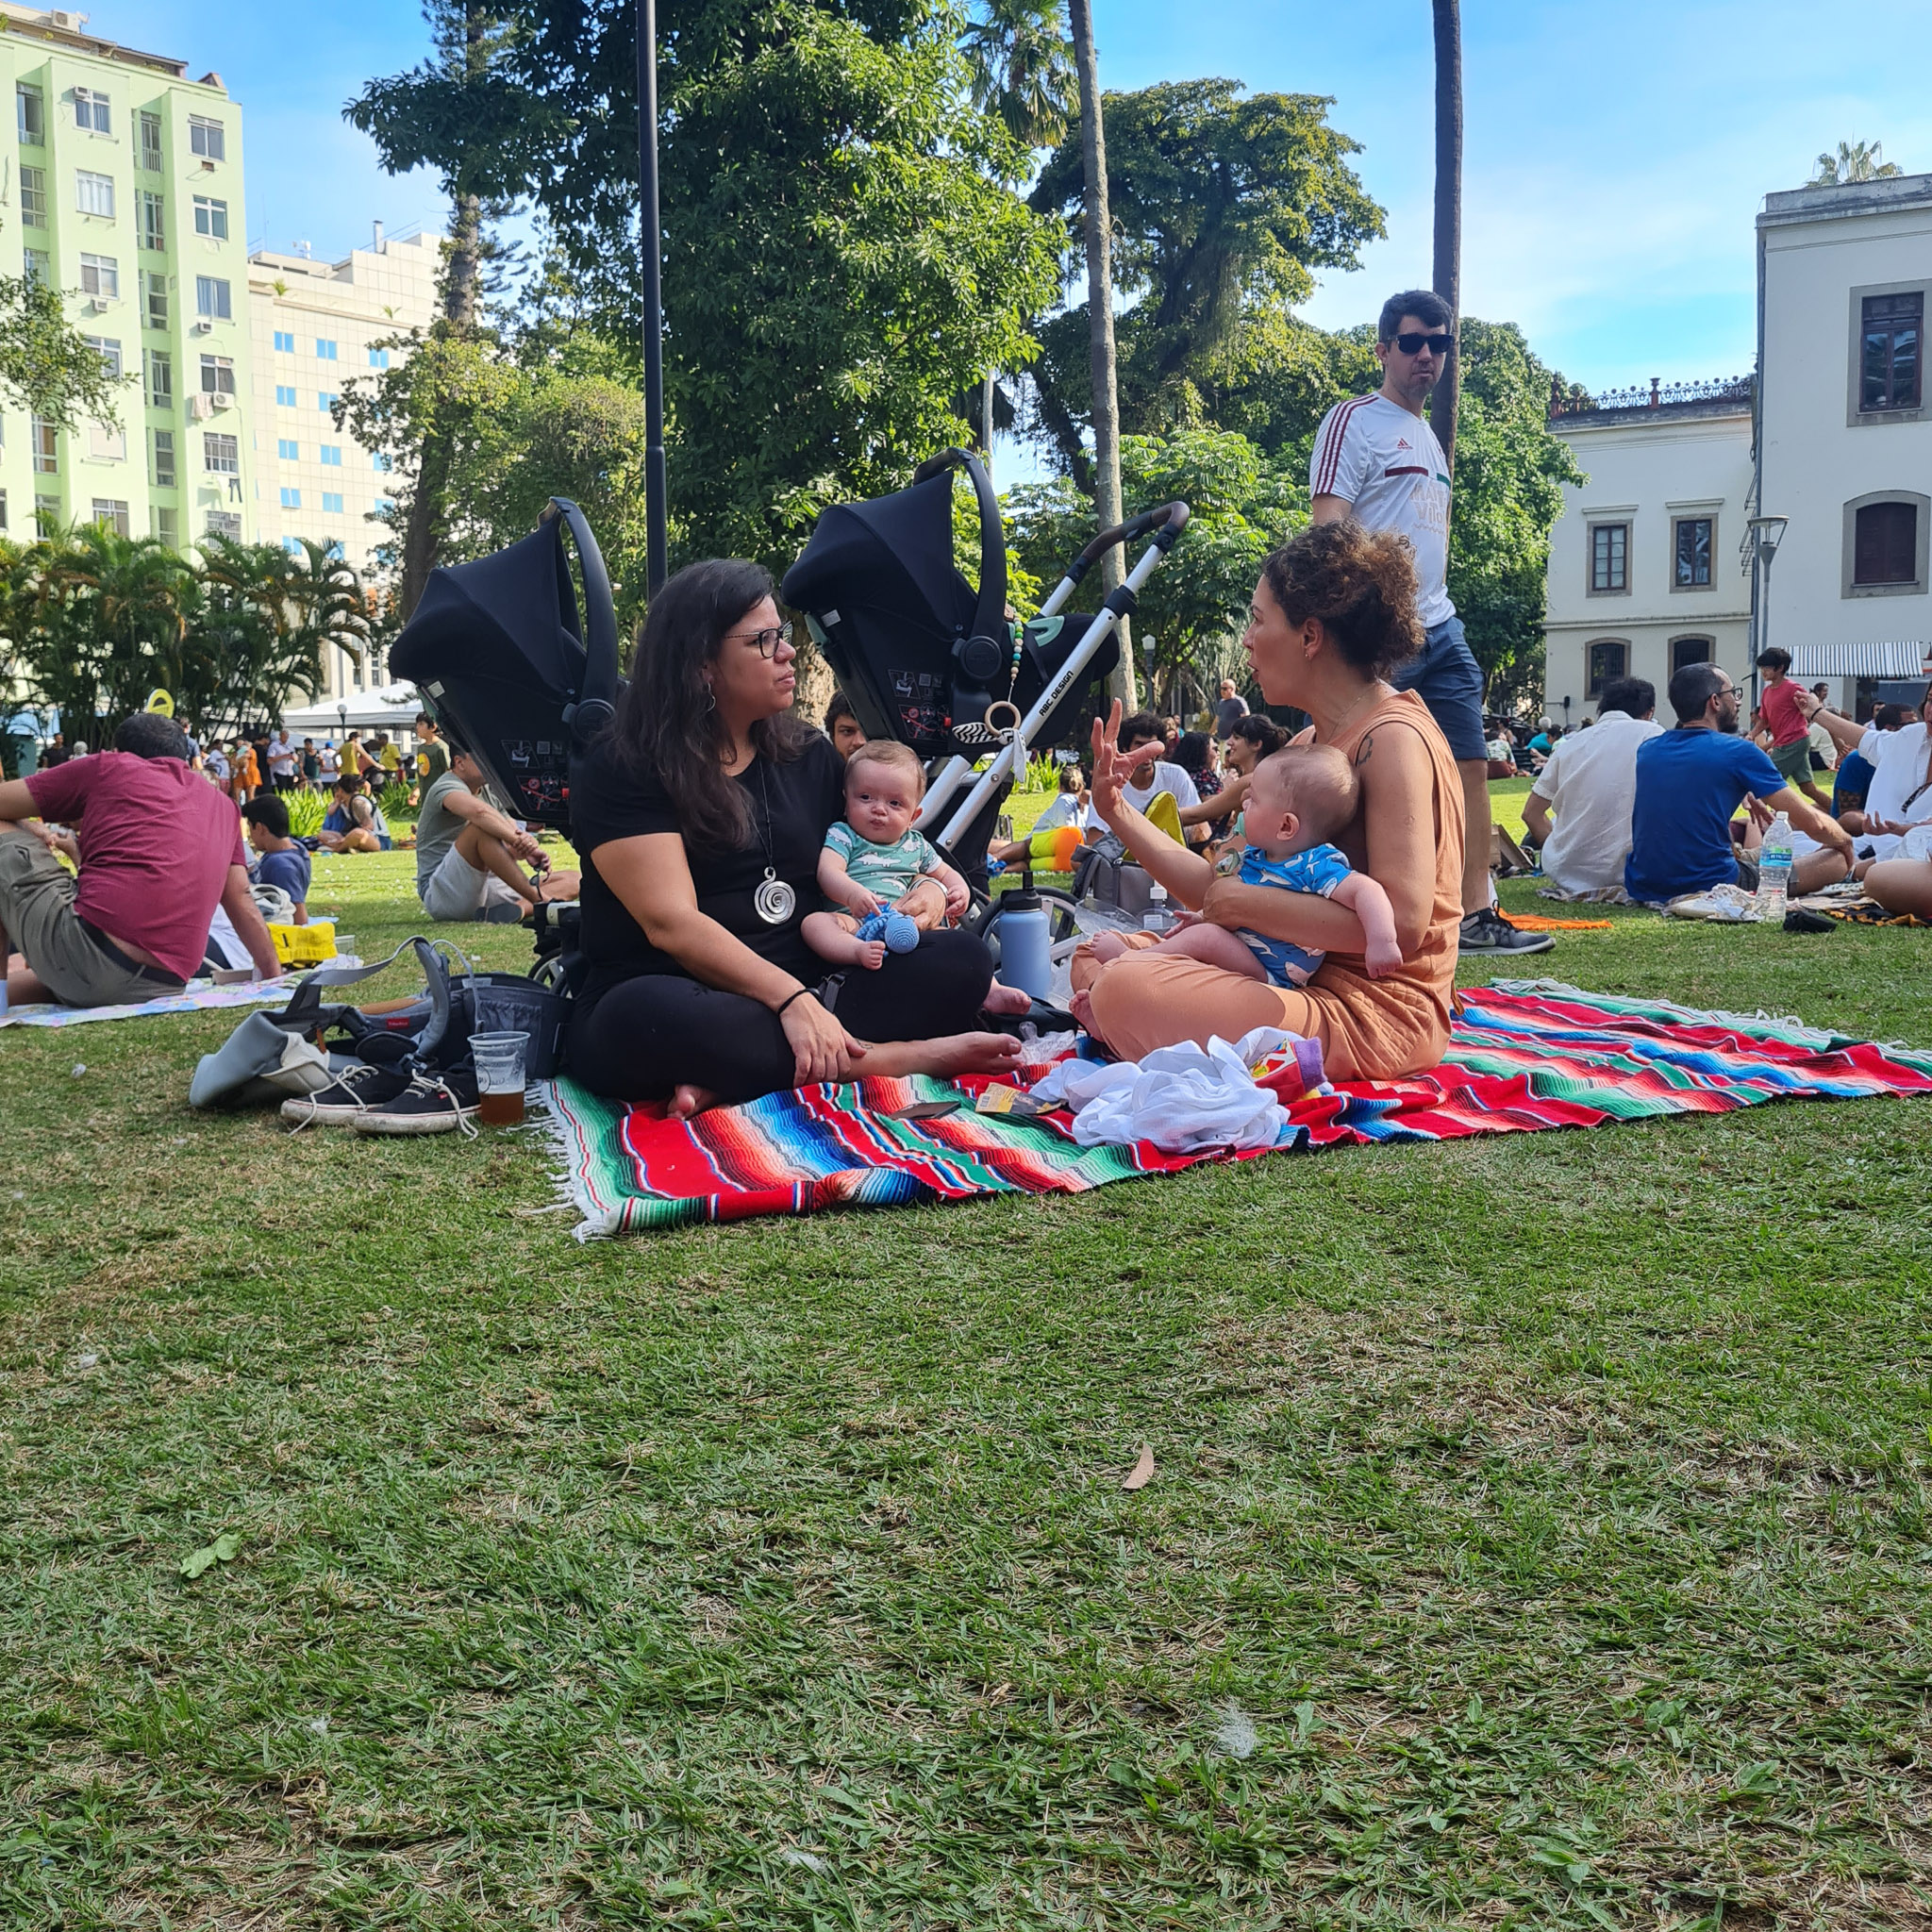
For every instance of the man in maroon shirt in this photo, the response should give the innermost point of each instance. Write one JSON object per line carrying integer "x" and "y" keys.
{"x": 158, "y": 848}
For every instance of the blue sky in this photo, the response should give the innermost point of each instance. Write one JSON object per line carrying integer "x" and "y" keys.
{"x": 1615, "y": 154}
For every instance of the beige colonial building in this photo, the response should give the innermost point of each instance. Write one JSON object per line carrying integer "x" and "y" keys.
{"x": 1643, "y": 574}
{"x": 1653, "y": 562}
{"x": 315, "y": 325}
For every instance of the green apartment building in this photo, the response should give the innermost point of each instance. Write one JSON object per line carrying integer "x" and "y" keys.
{"x": 124, "y": 189}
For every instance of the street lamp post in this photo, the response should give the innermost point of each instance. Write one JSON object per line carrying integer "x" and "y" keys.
{"x": 1767, "y": 533}
{"x": 653, "y": 291}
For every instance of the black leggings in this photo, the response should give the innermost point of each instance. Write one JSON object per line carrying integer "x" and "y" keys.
{"x": 654, "y": 1033}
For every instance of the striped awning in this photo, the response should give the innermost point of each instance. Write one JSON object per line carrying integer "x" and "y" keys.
{"x": 1894, "y": 659}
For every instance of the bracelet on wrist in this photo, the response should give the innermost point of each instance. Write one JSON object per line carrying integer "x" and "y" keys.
{"x": 780, "y": 1009}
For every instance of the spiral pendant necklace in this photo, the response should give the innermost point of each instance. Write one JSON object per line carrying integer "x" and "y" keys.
{"x": 775, "y": 901}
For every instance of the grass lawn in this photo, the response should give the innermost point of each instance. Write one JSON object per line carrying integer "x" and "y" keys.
{"x": 1538, "y": 1534}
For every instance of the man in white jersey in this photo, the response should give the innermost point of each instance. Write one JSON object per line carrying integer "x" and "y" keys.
{"x": 1377, "y": 460}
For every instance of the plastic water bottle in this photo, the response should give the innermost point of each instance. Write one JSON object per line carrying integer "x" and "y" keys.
{"x": 1025, "y": 951}
{"x": 1158, "y": 918}
{"x": 1775, "y": 870}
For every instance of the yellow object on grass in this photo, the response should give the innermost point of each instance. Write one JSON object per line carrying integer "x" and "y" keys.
{"x": 1053, "y": 850}
{"x": 1164, "y": 815}
{"x": 305, "y": 945}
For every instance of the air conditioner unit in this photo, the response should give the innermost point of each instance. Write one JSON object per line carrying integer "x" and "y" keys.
{"x": 208, "y": 167}
{"x": 221, "y": 400}
{"x": 204, "y": 328}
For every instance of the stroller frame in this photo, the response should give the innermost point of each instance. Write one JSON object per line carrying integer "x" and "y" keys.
{"x": 1167, "y": 522}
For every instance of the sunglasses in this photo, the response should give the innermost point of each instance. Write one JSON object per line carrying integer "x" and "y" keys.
{"x": 1411, "y": 341}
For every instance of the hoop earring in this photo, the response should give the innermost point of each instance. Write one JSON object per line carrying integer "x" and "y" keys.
{"x": 710, "y": 698}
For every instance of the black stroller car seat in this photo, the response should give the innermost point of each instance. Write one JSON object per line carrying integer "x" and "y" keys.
{"x": 497, "y": 650}
{"x": 922, "y": 654}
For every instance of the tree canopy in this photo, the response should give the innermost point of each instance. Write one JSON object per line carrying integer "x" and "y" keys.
{"x": 1224, "y": 204}
{"x": 47, "y": 365}
{"x": 842, "y": 256}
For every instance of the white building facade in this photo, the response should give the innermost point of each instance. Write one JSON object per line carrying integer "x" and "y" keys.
{"x": 1652, "y": 563}
{"x": 1845, "y": 447}
{"x": 315, "y": 326}
{"x": 1643, "y": 574}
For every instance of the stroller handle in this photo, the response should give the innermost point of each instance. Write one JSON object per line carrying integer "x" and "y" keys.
{"x": 1168, "y": 521}
{"x": 990, "y": 612}
{"x": 597, "y": 702}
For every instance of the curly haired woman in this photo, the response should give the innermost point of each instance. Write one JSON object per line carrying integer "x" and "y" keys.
{"x": 1333, "y": 614}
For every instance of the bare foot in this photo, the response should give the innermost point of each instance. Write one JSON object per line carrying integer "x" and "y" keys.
{"x": 1007, "y": 999}
{"x": 1107, "y": 945}
{"x": 955, "y": 1053}
{"x": 689, "y": 1099}
{"x": 1081, "y": 1006}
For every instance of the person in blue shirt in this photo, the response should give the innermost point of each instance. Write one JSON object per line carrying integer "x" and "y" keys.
{"x": 283, "y": 863}
{"x": 1689, "y": 783}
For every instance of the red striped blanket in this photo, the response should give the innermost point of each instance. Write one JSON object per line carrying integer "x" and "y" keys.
{"x": 1523, "y": 1055}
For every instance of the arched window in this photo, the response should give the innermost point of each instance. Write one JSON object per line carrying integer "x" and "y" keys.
{"x": 1689, "y": 651}
{"x": 1885, "y": 544}
{"x": 1608, "y": 658}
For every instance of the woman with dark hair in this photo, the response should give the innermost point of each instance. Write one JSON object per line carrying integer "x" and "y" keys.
{"x": 1253, "y": 739}
{"x": 1334, "y": 613}
{"x": 700, "y": 815}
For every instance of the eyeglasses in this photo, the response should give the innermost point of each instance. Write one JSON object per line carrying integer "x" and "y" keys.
{"x": 1411, "y": 342}
{"x": 765, "y": 643}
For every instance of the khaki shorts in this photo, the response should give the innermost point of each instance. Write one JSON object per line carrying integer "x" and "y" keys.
{"x": 37, "y": 915}
{"x": 1794, "y": 761}
{"x": 456, "y": 892}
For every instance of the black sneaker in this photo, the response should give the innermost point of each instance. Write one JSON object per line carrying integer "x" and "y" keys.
{"x": 345, "y": 1099}
{"x": 429, "y": 1104}
{"x": 1488, "y": 931}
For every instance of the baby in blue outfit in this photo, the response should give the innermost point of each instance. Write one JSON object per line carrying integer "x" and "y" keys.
{"x": 1298, "y": 799}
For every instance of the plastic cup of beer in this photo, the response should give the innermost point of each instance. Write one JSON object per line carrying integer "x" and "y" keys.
{"x": 499, "y": 1061}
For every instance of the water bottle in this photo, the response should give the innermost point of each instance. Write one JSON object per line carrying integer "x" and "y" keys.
{"x": 1158, "y": 918}
{"x": 1026, "y": 955}
{"x": 1775, "y": 870}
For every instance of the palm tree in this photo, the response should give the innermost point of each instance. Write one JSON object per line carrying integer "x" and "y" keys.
{"x": 99, "y": 621}
{"x": 1856, "y": 160}
{"x": 258, "y": 632}
{"x": 1023, "y": 67}
{"x": 1448, "y": 275}
{"x": 1107, "y": 404}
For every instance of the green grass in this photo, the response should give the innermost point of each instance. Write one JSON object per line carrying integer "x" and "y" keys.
{"x": 1554, "y": 1507}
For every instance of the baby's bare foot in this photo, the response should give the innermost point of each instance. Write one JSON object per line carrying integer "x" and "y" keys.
{"x": 689, "y": 1099}
{"x": 1107, "y": 946}
{"x": 1081, "y": 1006}
{"x": 1007, "y": 999}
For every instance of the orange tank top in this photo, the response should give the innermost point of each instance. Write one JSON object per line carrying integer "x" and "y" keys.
{"x": 1399, "y": 1023}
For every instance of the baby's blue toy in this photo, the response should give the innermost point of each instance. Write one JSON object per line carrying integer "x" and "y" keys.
{"x": 898, "y": 930}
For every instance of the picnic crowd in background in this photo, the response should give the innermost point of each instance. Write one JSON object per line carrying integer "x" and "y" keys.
{"x": 732, "y": 852}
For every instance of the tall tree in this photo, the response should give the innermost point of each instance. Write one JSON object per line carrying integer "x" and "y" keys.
{"x": 1224, "y": 206}
{"x": 1023, "y": 67}
{"x": 1102, "y": 366}
{"x": 843, "y": 258}
{"x": 464, "y": 114}
{"x": 47, "y": 365}
{"x": 1448, "y": 264}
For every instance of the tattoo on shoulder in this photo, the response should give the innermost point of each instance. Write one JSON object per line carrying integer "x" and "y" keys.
{"x": 1362, "y": 750}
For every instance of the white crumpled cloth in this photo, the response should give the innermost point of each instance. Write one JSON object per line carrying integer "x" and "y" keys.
{"x": 1184, "y": 1099}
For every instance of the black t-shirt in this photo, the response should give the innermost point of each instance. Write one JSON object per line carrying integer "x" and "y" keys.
{"x": 804, "y": 797}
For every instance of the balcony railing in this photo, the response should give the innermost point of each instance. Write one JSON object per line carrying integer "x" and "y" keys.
{"x": 1579, "y": 402}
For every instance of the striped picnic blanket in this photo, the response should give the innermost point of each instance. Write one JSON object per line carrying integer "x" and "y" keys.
{"x": 1524, "y": 1055}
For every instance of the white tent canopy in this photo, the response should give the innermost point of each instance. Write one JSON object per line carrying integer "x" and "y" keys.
{"x": 392, "y": 709}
